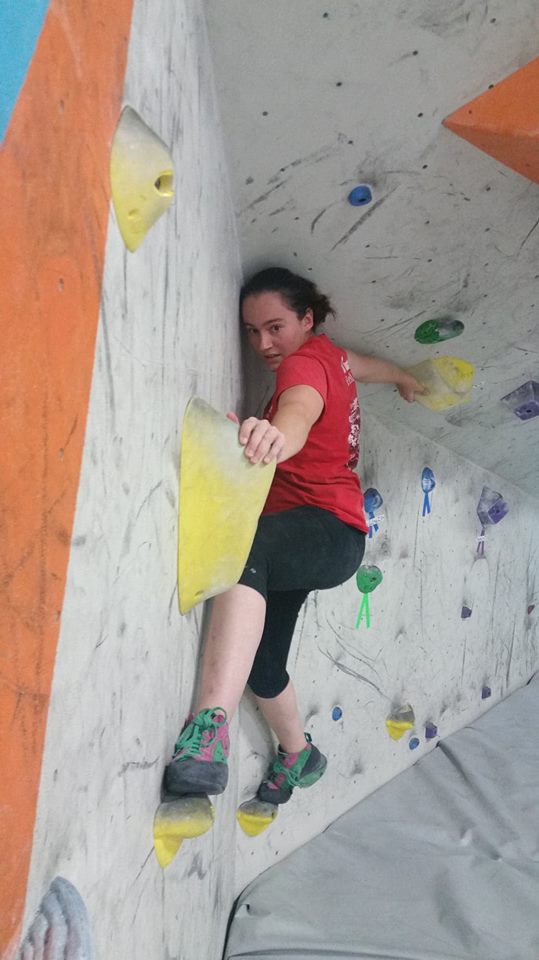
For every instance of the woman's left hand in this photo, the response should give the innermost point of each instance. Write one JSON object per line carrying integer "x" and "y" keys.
{"x": 408, "y": 386}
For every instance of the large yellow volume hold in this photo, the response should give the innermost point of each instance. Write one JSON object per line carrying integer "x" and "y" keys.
{"x": 221, "y": 498}
{"x": 449, "y": 381}
{"x": 141, "y": 176}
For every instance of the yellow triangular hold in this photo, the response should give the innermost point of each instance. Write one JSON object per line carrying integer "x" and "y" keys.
{"x": 397, "y": 728}
{"x": 179, "y": 820}
{"x": 449, "y": 381}
{"x": 141, "y": 177}
{"x": 254, "y": 816}
{"x": 221, "y": 499}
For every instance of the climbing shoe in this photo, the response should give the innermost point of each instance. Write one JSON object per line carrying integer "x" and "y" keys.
{"x": 290, "y": 770}
{"x": 199, "y": 763}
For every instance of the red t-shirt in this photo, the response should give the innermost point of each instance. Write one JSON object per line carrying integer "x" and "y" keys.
{"x": 323, "y": 473}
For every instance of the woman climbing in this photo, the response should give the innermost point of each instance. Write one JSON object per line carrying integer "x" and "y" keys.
{"x": 311, "y": 535}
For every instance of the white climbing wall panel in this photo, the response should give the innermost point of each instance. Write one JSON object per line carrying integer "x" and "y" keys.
{"x": 126, "y": 659}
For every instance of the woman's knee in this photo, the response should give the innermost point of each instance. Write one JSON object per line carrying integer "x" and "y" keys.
{"x": 266, "y": 683}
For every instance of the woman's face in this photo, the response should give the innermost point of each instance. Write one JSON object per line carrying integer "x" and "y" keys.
{"x": 273, "y": 329}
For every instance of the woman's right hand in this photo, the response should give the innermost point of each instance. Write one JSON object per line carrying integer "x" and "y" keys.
{"x": 262, "y": 441}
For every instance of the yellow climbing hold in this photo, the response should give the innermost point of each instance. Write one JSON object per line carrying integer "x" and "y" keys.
{"x": 449, "y": 381}
{"x": 178, "y": 820}
{"x": 141, "y": 176}
{"x": 399, "y": 721}
{"x": 254, "y": 816}
{"x": 221, "y": 499}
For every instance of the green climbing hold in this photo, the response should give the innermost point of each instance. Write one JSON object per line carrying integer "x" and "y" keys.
{"x": 436, "y": 331}
{"x": 368, "y": 578}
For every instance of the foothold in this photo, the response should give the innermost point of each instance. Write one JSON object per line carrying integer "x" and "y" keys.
{"x": 61, "y": 927}
{"x": 448, "y": 380}
{"x": 360, "y": 195}
{"x": 491, "y": 509}
{"x": 254, "y": 816}
{"x": 372, "y": 501}
{"x": 141, "y": 175}
{"x": 180, "y": 819}
{"x": 486, "y": 692}
{"x": 431, "y": 731}
{"x": 413, "y": 743}
{"x": 336, "y": 713}
{"x": 524, "y": 401}
{"x": 436, "y": 331}
{"x": 399, "y": 721}
{"x": 531, "y": 608}
{"x": 465, "y": 613}
{"x": 367, "y": 579}
{"x": 428, "y": 484}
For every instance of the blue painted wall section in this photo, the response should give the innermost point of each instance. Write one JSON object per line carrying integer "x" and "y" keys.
{"x": 20, "y": 27}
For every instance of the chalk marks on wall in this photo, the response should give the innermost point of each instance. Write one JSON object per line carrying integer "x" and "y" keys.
{"x": 141, "y": 176}
{"x": 61, "y": 928}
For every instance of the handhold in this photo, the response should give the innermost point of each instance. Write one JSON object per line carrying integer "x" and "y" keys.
{"x": 491, "y": 507}
{"x": 504, "y": 121}
{"x": 254, "y": 816}
{"x": 465, "y": 613}
{"x": 524, "y": 401}
{"x": 372, "y": 501}
{"x": 221, "y": 498}
{"x": 61, "y": 927}
{"x": 368, "y": 578}
{"x": 449, "y": 382}
{"x": 413, "y": 743}
{"x": 141, "y": 175}
{"x": 428, "y": 484}
{"x": 360, "y": 195}
{"x": 399, "y": 721}
{"x": 336, "y": 713}
{"x": 179, "y": 819}
{"x": 531, "y": 608}
{"x": 486, "y": 692}
{"x": 436, "y": 331}
{"x": 431, "y": 731}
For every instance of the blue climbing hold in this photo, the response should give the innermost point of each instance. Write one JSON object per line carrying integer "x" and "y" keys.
{"x": 360, "y": 195}
{"x": 336, "y": 713}
{"x": 413, "y": 743}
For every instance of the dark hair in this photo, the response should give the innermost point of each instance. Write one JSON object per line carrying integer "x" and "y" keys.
{"x": 299, "y": 294}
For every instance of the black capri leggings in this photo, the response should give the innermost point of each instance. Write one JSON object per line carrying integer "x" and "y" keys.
{"x": 294, "y": 552}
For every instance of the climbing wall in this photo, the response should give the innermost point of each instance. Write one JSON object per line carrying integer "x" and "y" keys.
{"x": 443, "y": 625}
{"x": 106, "y": 416}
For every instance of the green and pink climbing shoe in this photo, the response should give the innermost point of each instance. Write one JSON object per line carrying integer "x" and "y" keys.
{"x": 200, "y": 760}
{"x": 287, "y": 771}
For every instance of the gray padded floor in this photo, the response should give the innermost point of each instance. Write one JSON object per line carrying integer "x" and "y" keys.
{"x": 441, "y": 863}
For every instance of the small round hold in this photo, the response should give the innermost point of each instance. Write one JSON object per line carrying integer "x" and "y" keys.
{"x": 486, "y": 692}
{"x": 336, "y": 713}
{"x": 413, "y": 743}
{"x": 431, "y": 731}
{"x": 360, "y": 195}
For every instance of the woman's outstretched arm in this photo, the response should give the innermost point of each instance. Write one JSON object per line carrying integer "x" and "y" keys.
{"x": 373, "y": 370}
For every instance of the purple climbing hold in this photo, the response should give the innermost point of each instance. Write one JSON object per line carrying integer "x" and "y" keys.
{"x": 431, "y": 731}
{"x": 486, "y": 692}
{"x": 465, "y": 613}
{"x": 531, "y": 608}
{"x": 524, "y": 401}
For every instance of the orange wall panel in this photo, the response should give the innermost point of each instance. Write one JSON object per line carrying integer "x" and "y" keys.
{"x": 54, "y": 198}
